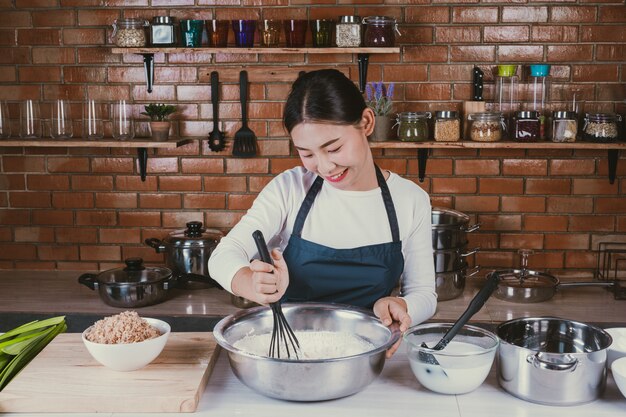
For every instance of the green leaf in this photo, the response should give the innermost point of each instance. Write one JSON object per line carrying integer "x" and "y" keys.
{"x": 20, "y": 338}
{"x": 18, "y": 346}
{"x": 33, "y": 325}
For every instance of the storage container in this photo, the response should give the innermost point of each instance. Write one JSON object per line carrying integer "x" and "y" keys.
{"x": 162, "y": 32}
{"x": 413, "y": 126}
{"x": 380, "y": 31}
{"x": 564, "y": 126}
{"x": 486, "y": 127}
{"x": 348, "y": 32}
{"x": 601, "y": 127}
{"x": 527, "y": 126}
{"x": 447, "y": 126}
{"x": 129, "y": 33}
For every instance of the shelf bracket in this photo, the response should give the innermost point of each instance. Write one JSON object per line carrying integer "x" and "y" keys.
{"x": 148, "y": 65}
{"x": 613, "y": 153}
{"x": 142, "y": 158}
{"x": 363, "y": 62}
{"x": 422, "y": 157}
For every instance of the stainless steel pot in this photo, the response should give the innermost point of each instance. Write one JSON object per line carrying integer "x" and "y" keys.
{"x": 187, "y": 253}
{"x": 450, "y": 285}
{"x": 447, "y": 260}
{"x": 132, "y": 286}
{"x": 450, "y": 228}
{"x": 552, "y": 361}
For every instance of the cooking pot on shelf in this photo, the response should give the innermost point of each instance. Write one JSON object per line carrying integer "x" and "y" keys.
{"x": 450, "y": 285}
{"x": 552, "y": 361}
{"x": 187, "y": 253}
{"x": 447, "y": 260}
{"x": 450, "y": 228}
{"x": 132, "y": 286}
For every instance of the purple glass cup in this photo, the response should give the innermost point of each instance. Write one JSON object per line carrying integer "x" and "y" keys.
{"x": 244, "y": 32}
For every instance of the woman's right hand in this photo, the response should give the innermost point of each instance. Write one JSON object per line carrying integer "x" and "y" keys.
{"x": 264, "y": 283}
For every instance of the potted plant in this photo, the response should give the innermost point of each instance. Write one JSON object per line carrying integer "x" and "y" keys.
{"x": 380, "y": 99}
{"x": 159, "y": 123}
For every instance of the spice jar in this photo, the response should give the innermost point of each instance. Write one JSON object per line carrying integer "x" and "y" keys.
{"x": 564, "y": 126}
{"x": 348, "y": 32}
{"x": 601, "y": 127}
{"x": 447, "y": 126}
{"x": 162, "y": 31}
{"x": 486, "y": 127}
{"x": 380, "y": 31}
{"x": 129, "y": 33}
{"x": 527, "y": 126}
{"x": 413, "y": 126}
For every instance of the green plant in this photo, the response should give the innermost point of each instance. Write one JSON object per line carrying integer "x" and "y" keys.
{"x": 379, "y": 98}
{"x": 158, "y": 112}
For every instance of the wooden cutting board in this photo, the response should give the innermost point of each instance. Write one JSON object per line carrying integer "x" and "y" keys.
{"x": 64, "y": 378}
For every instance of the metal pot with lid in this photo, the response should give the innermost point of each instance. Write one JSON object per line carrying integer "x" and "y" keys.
{"x": 450, "y": 228}
{"x": 132, "y": 286}
{"x": 187, "y": 253}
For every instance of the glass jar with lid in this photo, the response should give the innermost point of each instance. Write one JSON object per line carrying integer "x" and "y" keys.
{"x": 564, "y": 126}
{"x": 527, "y": 126}
{"x": 486, "y": 127}
{"x": 162, "y": 31}
{"x": 348, "y": 32}
{"x": 601, "y": 127}
{"x": 380, "y": 31}
{"x": 129, "y": 33}
{"x": 413, "y": 126}
{"x": 447, "y": 126}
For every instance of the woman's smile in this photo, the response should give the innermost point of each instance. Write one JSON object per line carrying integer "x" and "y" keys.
{"x": 337, "y": 177}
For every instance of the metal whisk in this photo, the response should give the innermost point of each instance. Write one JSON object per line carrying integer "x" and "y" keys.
{"x": 281, "y": 331}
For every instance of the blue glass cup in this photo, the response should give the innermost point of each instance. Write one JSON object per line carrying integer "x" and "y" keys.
{"x": 191, "y": 31}
{"x": 244, "y": 32}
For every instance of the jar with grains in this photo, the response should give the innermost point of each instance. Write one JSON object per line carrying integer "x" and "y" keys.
{"x": 564, "y": 126}
{"x": 601, "y": 127}
{"x": 527, "y": 126}
{"x": 380, "y": 31}
{"x": 486, "y": 127}
{"x": 129, "y": 33}
{"x": 447, "y": 126}
{"x": 348, "y": 32}
{"x": 413, "y": 126}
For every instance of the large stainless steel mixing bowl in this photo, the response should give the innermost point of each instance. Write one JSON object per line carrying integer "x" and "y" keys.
{"x": 307, "y": 380}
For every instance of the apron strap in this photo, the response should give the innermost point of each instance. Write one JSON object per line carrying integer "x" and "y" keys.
{"x": 317, "y": 186}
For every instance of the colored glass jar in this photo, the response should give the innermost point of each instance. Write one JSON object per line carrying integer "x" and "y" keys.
{"x": 601, "y": 127}
{"x": 527, "y": 126}
{"x": 564, "y": 126}
{"x": 348, "y": 32}
{"x": 162, "y": 32}
{"x": 322, "y": 32}
{"x": 413, "y": 126}
{"x": 447, "y": 126}
{"x": 380, "y": 31}
{"x": 129, "y": 33}
{"x": 486, "y": 127}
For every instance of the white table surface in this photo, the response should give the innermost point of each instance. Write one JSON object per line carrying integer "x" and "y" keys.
{"x": 395, "y": 392}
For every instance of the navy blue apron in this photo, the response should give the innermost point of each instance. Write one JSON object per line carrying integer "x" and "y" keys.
{"x": 357, "y": 276}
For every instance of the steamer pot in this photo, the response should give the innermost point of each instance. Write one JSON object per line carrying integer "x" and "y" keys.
{"x": 450, "y": 285}
{"x": 552, "y": 361}
{"x": 450, "y": 228}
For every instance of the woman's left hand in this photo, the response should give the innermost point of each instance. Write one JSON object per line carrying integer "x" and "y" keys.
{"x": 390, "y": 310}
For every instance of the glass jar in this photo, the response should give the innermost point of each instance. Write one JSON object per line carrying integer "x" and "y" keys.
{"x": 527, "y": 126}
{"x": 348, "y": 32}
{"x": 564, "y": 126}
{"x": 601, "y": 127}
{"x": 162, "y": 31}
{"x": 447, "y": 126}
{"x": 380, "y": 31}
{"x": 486, "y": 127}
{"x": 413, "y": 126}
{"x": 129, "y": 33}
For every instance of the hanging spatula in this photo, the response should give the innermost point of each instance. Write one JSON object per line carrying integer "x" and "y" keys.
{"x": 216, "y": 138}
{"x": 245, "y": 139}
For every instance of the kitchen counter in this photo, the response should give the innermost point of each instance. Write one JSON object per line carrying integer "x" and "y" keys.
{"x": 395, "y": 392}
{"x": 33, "y": 294}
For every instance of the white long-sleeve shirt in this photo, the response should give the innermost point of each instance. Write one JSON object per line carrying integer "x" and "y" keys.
{"x": 338, "y": 219}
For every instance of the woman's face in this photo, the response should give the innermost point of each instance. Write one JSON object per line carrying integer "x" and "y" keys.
{"x": 338, "y": 153}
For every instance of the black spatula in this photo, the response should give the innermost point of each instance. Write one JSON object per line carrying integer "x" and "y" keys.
{"x": 216, "y": 138}
{"x": 245, "y": 139}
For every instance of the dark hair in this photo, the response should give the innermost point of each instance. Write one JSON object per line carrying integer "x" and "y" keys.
{"x": 323, "y": 96}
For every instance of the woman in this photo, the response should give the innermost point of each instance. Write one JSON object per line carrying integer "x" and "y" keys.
{"x": 344, "y": 230}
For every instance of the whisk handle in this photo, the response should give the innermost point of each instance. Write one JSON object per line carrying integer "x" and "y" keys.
{"x": 261, "y": 246}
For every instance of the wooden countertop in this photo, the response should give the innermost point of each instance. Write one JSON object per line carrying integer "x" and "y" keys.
{"x": 49, "y": 292}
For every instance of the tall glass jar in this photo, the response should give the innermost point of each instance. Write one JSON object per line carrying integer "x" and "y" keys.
{"x": 129, "y": 33}
{"x": 486, "y": 127}
{"x": 507, "y": 93}
{"x": 527, "y": 126}
{"x": 564, "y": 126}
{"x": 380, "y": 31}
{"x": 447, "y": 126}
{"x": 413, "y": 126}
{"x": 348, "y": 32}
{"x": 601, "y": 127}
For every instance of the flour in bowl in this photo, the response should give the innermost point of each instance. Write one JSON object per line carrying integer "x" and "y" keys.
{"x": 314, "y": 345}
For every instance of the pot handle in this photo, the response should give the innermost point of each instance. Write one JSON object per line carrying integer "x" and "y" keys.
{"x": 170, "y": 282}
{"x": 198, "y": 278}
{"x": 473, "y": 228}
{"x": 471, "y": 252}
{"x": 539, "y": 363}
{"x": 474, "y": 271}
{"x": 155, "y": 243}
{"x": 89, "y": 280}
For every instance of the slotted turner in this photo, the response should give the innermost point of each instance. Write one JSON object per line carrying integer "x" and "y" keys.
{"x": 245, "y": 139}
{"x": 216, "y": 138}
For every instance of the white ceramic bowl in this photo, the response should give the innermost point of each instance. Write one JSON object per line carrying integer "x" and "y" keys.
{"x": 617, "y": 349}
{"x": 130, "y": 356}
{"x": 462, "y": 366}
{"x": 619, "y": 374}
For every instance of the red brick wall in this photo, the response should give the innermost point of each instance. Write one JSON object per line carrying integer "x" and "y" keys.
{"x": 86, "y": 208}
